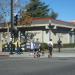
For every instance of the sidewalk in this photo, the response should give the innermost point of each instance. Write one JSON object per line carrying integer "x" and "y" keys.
{"x": 65, "y": 52}
{"x": 55, "y": 54}
{"x": 4, "y": 55}
{"x": 64, "y": 49}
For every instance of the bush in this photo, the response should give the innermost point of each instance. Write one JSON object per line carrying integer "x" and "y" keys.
{"x": 72, "y": 45}
{"x": 44, "y": 46}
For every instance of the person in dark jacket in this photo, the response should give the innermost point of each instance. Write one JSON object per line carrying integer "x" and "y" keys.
{"x": 59, "y": 43}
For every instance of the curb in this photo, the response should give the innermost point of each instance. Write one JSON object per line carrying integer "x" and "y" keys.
{"x": 4, "y": 56}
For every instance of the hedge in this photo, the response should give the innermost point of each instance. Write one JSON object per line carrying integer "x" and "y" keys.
{"x": 44, "y": 46}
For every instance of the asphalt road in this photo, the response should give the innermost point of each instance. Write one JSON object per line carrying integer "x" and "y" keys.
{"x": 40, "y": 66}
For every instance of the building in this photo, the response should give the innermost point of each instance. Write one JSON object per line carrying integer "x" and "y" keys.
{"x": 44, "y": 29}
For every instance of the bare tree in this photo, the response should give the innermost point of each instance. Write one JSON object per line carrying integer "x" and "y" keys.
{"x": 5, "y": 10}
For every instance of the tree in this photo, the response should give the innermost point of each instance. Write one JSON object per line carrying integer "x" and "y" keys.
{"x": 1, "y": 19}
{"x": 5, "y": 8}
{"x": 26, "y": 19}
{"x": 38, "y": 9}
{"x": 4, "y": 11}
{"x": 53, "y": 14}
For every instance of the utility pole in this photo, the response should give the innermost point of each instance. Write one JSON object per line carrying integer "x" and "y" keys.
{"x": 49, "y": 30}
{"x": 11, "y": 49}
{"x": 12, "y": 19}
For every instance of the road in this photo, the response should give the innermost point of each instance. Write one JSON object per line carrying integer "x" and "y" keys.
{"x": 40, "y": 66}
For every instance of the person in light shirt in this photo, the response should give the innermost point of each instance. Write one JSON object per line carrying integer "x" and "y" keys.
{"x": 50, "y": 47}
{"x": 32, "y": 46}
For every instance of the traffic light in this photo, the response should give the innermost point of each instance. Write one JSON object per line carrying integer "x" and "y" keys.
{"x": 16, "y": 20}
{"x": 15, "y": 32}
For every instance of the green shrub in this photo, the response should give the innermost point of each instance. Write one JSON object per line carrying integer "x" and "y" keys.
{"x": 44, "y": 46}
{"x": 69, "y": 45}
{"x": 72, "y": 45}
{"x": 55, "y": 45}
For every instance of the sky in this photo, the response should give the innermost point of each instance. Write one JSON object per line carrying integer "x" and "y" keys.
{"x": 64, "y": 8}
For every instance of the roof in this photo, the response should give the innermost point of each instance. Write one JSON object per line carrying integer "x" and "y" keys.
{"x": 73, "y": 22}
{"x": 46, "y": 20}
{"x": 2, "y": 24}
{"x": 41, "y": 20}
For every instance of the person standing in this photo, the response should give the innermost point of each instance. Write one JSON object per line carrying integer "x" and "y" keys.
{"x": 37, "y": 48}
{"x": 11, "y": 47}
{"x": 50, "y": 48}
{"x": 32, "y": 47}
{"x": 59, "y": 42}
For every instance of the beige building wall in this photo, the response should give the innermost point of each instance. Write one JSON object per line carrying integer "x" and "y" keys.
{"x": 38, "y": 35}
{"x": 1, "y": 42}
{"x": 64, "y": 37}
{"x": 44, "y": 36}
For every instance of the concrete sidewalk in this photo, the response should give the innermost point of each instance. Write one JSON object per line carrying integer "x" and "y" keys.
{"x": 4, "y": 55}
{"x": 65, "y": 52}
{"x": 55, "y": 54}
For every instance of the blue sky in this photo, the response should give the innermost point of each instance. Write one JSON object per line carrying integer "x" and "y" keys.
{"x": 64, "y": 8}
